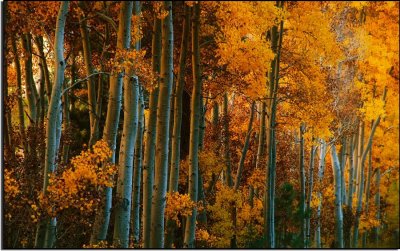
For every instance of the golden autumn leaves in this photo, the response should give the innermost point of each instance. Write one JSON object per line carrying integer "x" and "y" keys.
{"x": 78, "y": 186}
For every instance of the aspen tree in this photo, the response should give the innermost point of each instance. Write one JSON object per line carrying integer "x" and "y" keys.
{"x": 269, "y": 217}
{"x": 245, "y": 148}
{"x": 321, "y": 170}
{"x": 47, "y": 229}
{"x": 137, "y": 172}
{"x": 162, "y": 131}
{"x": 19, "y": 91}
{"x": 261, "y": 136}
{"x": 309, "y": 196}
{"x": 127, "y": 147}
{"x": 302, "y": 187}
{"x": 102, "y": 219}
{"x": 176, "y": 134}
{"x": 177, "y": 121}
{"x": 43, "y": 62}
{"x": 150, "y": 142}
{"x": 30, "y": 87}
{"x": 91, "y": 87}
{"x": 227, "y": 156}
{"x": 338, "y": 199}
{"x": 363, "y": 156}
{"x": 194, "y": 128}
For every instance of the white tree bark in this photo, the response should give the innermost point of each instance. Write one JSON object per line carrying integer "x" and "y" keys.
{"x": 338, "y": 199}
{"x": 100, "y": 226}
{"x": 162, "y": 132}
{"x": 194, "y": 128}
{"x": 321, "y": 170}
{"x": 52, "y": 119}
{"x": 150, "y": 142}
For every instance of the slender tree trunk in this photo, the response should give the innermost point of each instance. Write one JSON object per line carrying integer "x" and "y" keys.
{"x": 202, "y": 125}
{"x": 39, "y": 44}
{"x": 176, "y": 134}
{"x": 31, "y": 91}
{"x": 67, "y": 121}
{"x": 149, "y": 151}
{"x": 19, "y": 92}
{"x": 302, "y": 188}
{"x": 125, "y": 173}
{"x": 349, "y": 204}
{"x": 202, "y": 215}
{"x": 194, "y": 128}
{"x": 269, "y": 218}
{"x": 138, "y": 172}
{"x": 367, "y": 192}
{"x": 245, "y": 148}
{"x": 162, "y": 132}
{"x": 355, "y": 171}
{"x": 321, "y": 169}
{"x": 52, "y": 116}
{"x": 338, "y": 199}
{"x": 261, "y": 136}
{"x": 309, "y": 197}
{"x": 342, "y": 162}
{"x": 87, "y": 56}
{"x": 227, "y": 153}
{"x": 127, "y": 148}
{"x": 102, "y": 219}
{"x": 377, "y": 204}
{"x": 359, "y": 183}
{"x": 216, "y": 134}
{"x": 363, "y": 155}
{"x": 177, "y": 121}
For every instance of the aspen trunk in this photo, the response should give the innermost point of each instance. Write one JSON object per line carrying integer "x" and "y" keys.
{"x": 342, "y": 162}
{"x": 269, "y": 217}
{"x": 202, "y": 216}
{"x": 261, "y": 136}
{"x": 216, "y": 134}
{"x": 51, "y": 130}
{"x": 338, "y": 199}
{"x": 227, "y": 155}
{"x": 149, "y": 151}
{"x": 102, "y": 219}
{"x": 349, "y": 204}
{"x": 67, "y": 121}
{"x": 125, "y": 172}
{"x": 359, "y": 184}
{"x": 363, "y": 155}
{"x": 176, "y": 134}
{"x": 309, "y": 197}
{"x": 41, "y": 100}
{"x": 39, "y": 44}
{"x": 302, "y": 188}
{"x": 127, "y": 147}
{"x": 367, "y": 192}
{"x": 194, "y": 128}
{"x": 245, "y": 148}
{"x": 202, "y": 121}
{"x": 31, "y": 91}
{"x": 87, "y": 56}
{"x": 138, "y": 172}
{"x": 162, "y": 132}
{"x": 321, "y": 169}
{"x": 177, "y": 121}
{"x": 19, "y": 92}
{"x": 377, "y": 204}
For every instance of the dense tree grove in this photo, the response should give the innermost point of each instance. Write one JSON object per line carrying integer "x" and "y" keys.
{"x": 161, "y": 124}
